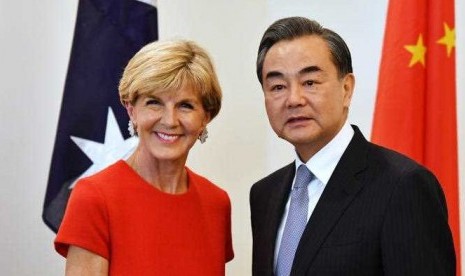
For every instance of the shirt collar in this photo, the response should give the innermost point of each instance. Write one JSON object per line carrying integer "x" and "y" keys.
{"x": 323, "y": 163}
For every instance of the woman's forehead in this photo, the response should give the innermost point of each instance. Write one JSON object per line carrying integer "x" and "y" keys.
{"x": 185, "y": 91}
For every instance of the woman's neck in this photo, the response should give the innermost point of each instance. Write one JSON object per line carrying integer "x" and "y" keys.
{"x": 167, "y": 176}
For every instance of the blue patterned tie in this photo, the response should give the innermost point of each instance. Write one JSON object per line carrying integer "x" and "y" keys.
{"x": 295, "y": 223}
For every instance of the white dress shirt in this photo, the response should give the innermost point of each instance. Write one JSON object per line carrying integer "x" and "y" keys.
{"x": 322, "y": 165}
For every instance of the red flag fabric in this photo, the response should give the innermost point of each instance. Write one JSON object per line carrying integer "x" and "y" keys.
{"x": 415, "y": 109}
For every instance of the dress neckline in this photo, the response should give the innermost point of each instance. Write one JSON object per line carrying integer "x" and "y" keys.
{"x": 141, "y": 181}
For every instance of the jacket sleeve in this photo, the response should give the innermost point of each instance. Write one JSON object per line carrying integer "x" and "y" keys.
{"x": 416, "y": 238}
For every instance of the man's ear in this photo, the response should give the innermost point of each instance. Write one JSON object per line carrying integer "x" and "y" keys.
{"x": 348, "y": 88}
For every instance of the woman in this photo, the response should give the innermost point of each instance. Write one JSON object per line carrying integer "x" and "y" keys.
{"x": 150, "y": 215}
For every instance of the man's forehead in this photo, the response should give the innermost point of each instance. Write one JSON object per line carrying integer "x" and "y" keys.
{"x": 304, "y": 55}
{"x": 302, "y": 47}
{"x": 302, "y": 41}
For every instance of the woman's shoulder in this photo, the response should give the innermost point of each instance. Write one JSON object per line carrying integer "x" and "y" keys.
{"x": 113, "y": 173}
{"x": 204, "y": 185}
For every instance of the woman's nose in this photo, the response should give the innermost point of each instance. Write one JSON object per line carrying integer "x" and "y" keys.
{"x": 169, "y": 116}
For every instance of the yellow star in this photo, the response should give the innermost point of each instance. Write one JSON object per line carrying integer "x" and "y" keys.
{"x": 448, "y": 39}
{"x": 418, "y": 52}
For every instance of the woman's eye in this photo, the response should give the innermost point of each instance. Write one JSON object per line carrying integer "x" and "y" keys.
{"x": 187, "y": 105}
{"x": 152, "y": 102}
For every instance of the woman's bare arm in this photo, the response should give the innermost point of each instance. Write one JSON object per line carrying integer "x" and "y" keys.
{"x": 83, "y": 262}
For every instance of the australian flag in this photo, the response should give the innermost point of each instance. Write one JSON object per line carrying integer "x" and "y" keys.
{"x": 92, "y": 127}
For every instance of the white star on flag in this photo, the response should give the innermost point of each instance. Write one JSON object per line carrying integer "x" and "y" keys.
{"x": 150, "y": 2}
{"x": 113, "y": 148}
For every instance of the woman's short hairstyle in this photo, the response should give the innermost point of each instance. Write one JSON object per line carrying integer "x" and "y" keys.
{"x": 169, "y": 65}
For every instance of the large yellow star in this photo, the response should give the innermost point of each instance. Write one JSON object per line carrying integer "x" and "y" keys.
{"x": 448, "y": 39}
{"x": 418, "y": 52}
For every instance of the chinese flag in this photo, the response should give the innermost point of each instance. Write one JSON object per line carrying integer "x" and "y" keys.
{"x": 415, "y": 109}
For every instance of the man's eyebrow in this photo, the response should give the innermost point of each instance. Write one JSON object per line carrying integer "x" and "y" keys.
{"x": 306, "y": 70}
{"x": 310, "y": 69}
{"x": 274, "y": 74}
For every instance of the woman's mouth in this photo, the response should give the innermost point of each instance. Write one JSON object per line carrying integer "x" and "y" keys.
{"x": 167, "y": 137}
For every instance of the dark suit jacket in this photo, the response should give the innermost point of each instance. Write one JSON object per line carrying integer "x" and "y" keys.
{"x": 380, "y": 214}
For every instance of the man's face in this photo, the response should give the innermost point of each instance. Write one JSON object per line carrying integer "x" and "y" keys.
{"x": 307, "y": 103}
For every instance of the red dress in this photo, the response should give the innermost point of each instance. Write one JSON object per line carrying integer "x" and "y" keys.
{"x": 143, "y": 231}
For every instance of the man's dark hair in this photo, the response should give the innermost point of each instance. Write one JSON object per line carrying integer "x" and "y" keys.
{"x": 295, "y": 27}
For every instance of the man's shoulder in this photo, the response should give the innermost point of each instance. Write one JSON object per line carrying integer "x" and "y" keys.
{"x": 380, "y": 156}
{"x": 275, "y": 176}
{"x": 392, "y": 160}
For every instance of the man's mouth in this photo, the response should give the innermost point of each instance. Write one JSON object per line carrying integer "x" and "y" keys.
{"x": 297, "y": 119}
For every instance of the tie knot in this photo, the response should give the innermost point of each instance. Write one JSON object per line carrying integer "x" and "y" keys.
{"x": 303, "y": 177}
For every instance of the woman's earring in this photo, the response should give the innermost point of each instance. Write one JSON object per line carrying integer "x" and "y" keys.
{"x": 203, "y": 135}
{"x": 131, "y": 129}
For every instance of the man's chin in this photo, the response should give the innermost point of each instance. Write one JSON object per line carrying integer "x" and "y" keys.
{"x": 300, "y": 138}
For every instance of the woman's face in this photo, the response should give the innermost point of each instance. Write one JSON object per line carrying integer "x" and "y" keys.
{"x": 168, "y": 123}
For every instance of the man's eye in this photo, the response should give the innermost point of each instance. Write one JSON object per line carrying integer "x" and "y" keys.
{"x": 309, "y": 83}
{"x": 277, "y": 87}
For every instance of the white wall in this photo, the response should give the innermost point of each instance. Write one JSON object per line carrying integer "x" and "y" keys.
{"x": 35, "y": 40}
{"x": 34, "y": 49}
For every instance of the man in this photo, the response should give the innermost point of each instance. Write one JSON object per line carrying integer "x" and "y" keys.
{"x": 345, "y": 206}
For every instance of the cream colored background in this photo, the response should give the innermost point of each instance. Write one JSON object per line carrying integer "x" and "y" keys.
{"x": 35, "y": 40}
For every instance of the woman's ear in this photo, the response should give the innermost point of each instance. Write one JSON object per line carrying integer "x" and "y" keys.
{"x": 130, "y": 109}
{"x": 208, "y": 118}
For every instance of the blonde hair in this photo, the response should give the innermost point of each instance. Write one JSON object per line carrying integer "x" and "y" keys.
{"x": 169, "y": 65}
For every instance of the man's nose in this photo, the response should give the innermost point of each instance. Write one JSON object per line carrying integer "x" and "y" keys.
{"x": 296, "y": 96}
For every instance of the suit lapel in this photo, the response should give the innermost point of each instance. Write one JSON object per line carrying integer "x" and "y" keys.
{"x": 279, "y": 192}
{"x": 340, "y": 190}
